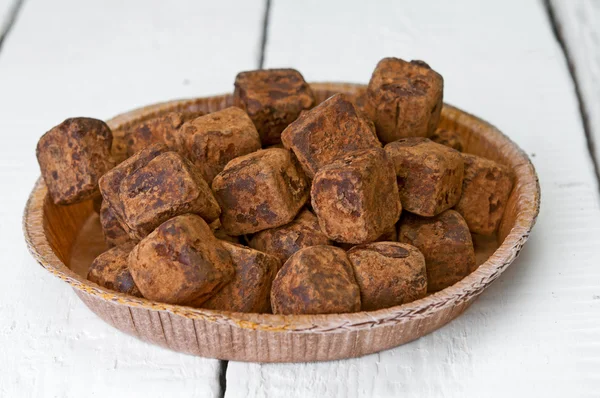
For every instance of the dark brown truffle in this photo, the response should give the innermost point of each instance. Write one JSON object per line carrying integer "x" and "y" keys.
{"x": 327, "y": 132}
{"x": 282, "y": 242}
{"x": 404, "y": 99}
{"x": 388, "y": 274}
{"x": 448, "y": 138}
{"x": 250, "y": 289}
{"x": 110, "y": 270}
{"x": 261, "y": 190}
{"x": 273, "y": 98}
{"x": 485, "y": 191}
{"x": 316, "y": 280}
{"x": 73, "y": 156}
{"x": 215, "y": 139}
{"x": 429, "y": 175}
{"x": 446, "y": 243}
{"x": 356, "y": 197}
{"x": 165, "y": 186}
{"x": 181, "y": 262}
{"x": 114, "y": 234}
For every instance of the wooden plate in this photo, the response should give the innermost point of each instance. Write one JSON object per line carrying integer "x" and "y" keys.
{"x": 65, "y": 239}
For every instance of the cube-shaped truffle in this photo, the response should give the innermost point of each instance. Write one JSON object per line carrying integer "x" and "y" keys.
{"x": 273, "y": 98}
{"x": 388, "y": 274}
{"x": 316, "y": 280}
{"x": 213, "y": 140}
{"x": 162, "y": 130}
{"x": 166, "y": 186}
{"x": 356, "y": 197}
{"x": 286, "y": 240}
{"x": 448, "y": 138}
{"x": 73, "y": 156}
{"x": 485, "y": 191}
{"x": 261, "y": 190}
{"x": 404, "y": 99}
{"x": 110, "y": 270}
{"x": 181, "y": 262}
{"x": 114, "y": 234}
{"x": 327, "y": 132}
{"x": 250, "y": 289}
{"x": 446, "y": 244}
{"x": 429, "y": 175}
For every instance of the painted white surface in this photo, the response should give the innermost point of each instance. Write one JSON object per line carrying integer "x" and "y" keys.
{"x": 536, "y": 331}
{"x": 70, "y": 58}
{"x": 579, "y": 22}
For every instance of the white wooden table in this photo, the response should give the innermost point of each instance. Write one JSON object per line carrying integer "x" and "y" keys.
{"x": 535, "y": 332}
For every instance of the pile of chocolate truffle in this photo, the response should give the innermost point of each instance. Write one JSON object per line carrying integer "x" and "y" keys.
{"x": 279, "y": 204}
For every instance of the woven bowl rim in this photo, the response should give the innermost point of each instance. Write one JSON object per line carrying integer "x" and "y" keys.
{"x": 472, "y": 285}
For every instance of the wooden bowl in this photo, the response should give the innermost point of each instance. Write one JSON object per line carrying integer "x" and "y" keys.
{"x": 65, "y": 239}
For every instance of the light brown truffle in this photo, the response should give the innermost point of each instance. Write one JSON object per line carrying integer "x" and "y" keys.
{"x": 250, "y": 288}
{"x": 162, "y": 187}
{"x": 316, "y": 280}
{"x": 213, "y": 140}
{"x": 73, "y": 156}
{"x": 181, "y": 262}
{"x": 261, "y": 190}
{"x": 448, "y": 138}
{"x": 485, "y": 191}
{"x": 446, "y": 243}
{"x": 429, "y": 175}
{"x": 114, "y": 234}
{"x": 388, "y": 274}
{"x": 273, "y": 98}
{"x": 356, "y": 197}
{"x": 404, "y": 99}
{"x": 282, "y": 242}
{"x": 161, "y": 130}
{"x": 110, "y": 270}
{"x": 327, "y": 132}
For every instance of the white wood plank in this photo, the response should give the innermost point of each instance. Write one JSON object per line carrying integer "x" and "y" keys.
{"x": 535, "y": 331}
{"x": 68, "y": 58}
{"x": 579, "y": 23}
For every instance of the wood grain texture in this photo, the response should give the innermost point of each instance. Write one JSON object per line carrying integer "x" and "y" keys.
{"x": 579, "y": 22}
{"x": 534, "y": 332}
{"x": 68, "y": 58}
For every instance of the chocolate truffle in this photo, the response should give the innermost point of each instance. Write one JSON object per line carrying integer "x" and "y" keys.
{"x": 282, "y": 242}
{"x": 429, "y": 175}
{"x": 166, "y": 186}
{"x": 181, "y": 262}
{"x": 162, "y": 130}
{"x": 404, "y": 99}
{"x": 114, "y": 234}
{"x": 73, "y": 156}
{"x": 273, "y": 98}
{"x": 446, "y": 243}
{"x": 261, "y": 190}
{"x": 316, "y": 280}
{"x": 356, "y": 197}
{"x": 250, "y": 288}
{"x": 449, "y": 138}
{"x": 110, "y": 270}
{"x": 485, "y": 190}
{"x": 213, "y": 140}
{"x": 327, "y": 132}
{"x": 388, "y": 274}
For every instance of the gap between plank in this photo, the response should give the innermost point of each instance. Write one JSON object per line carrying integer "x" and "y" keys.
{"x": 591, "y": 145}
{"x": 265, "y": 32}
{"x": 10, "y": 21}
{"x": 223, "y": 377}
